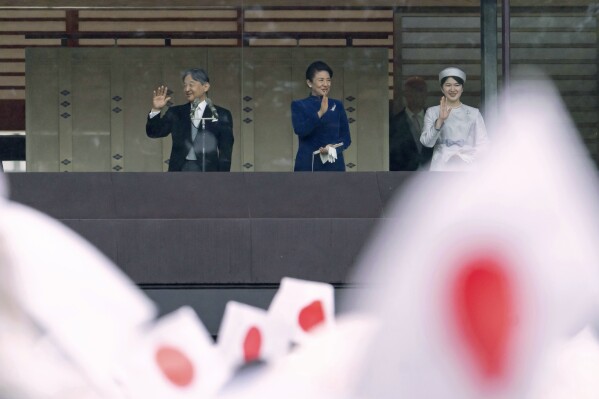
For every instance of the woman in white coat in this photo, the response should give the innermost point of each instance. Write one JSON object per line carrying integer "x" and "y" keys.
{"x": 456, "y": 131}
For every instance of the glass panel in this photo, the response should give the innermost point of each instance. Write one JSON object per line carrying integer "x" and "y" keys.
{"x": 426, "y": 41}
{"x": 562, "y": 43}
{"x": 109, "y": 59}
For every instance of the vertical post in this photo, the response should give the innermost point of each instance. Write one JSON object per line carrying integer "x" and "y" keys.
{"x": 596, "y": 131}
{"x": 241, "y": 38}
{"x": 72, "y": 27}
{"x": 505, "y": 35}
{"x": 488, "y": 47}
{"x": 397, "y": 63}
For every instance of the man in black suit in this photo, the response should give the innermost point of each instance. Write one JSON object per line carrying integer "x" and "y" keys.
{"x": 202, "y": 132}
{"x": 405, "y": 150}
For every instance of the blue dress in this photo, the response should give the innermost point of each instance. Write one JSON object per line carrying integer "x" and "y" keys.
{"x": 314, "y": 132}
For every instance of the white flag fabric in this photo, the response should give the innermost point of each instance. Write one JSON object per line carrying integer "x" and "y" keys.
{"x": 31, "y": 367}
{"x": 79, "y": 300}
{"x": 303, "y": 306}
{"x": 322, "y": 367}
{"x": 477, "y": 274}
{"x": 570, "y": 369}
{"x": 248, "y": 334}
{"x": 175, "y": 358}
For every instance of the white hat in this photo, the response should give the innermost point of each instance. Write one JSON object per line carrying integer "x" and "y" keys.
{"x": 452, "y": 71}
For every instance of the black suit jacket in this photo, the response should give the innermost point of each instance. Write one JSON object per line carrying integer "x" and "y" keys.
{"x": 403, "y": 150}
{"x": 213, "y": 145}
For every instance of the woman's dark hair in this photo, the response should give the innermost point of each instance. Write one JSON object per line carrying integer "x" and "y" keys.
{"x": 197, "y": 74}
{"x": 459, "y": 80}
{"x": 316, "y": 67}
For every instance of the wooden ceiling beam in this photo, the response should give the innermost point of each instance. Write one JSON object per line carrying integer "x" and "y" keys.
{"x": 195, "y": 4}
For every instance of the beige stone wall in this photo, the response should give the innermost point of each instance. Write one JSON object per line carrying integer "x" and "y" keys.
{"x": 87, "y": 107}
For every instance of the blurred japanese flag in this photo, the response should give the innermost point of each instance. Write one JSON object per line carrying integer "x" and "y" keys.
{"x": 303, "y": 306}
{"x": 79, "y": 300}
{"x": 475, "y": 275}
{"x": 248, "y": 334}
{"x": 322, "y": 367}
{"x": 175, "y": 358}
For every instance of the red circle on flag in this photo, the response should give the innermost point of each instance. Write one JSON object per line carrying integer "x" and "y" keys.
{"x": 252, "y": 344}
{"x": 311, "y": 315}
{"x": 175, "y": 365}
{"x": 483, "y": 302}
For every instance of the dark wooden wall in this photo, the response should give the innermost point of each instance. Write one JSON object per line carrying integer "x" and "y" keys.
{"x": 205, "y": 239}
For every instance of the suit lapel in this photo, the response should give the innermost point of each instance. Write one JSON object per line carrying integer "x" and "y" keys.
{"x": 208, "y": 114}
{"x": 186, "y": 125}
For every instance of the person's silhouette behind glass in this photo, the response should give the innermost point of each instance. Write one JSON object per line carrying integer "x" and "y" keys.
{"x": 405, "y": 150}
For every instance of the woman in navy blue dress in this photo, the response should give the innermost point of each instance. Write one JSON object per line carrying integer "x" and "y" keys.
{"x": 320, "y": 123}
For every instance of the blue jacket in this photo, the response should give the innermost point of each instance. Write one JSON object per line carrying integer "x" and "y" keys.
{"x": 314, "y": 132}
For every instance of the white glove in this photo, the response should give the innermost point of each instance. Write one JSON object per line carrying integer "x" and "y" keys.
{"x": 331, "y": 156}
